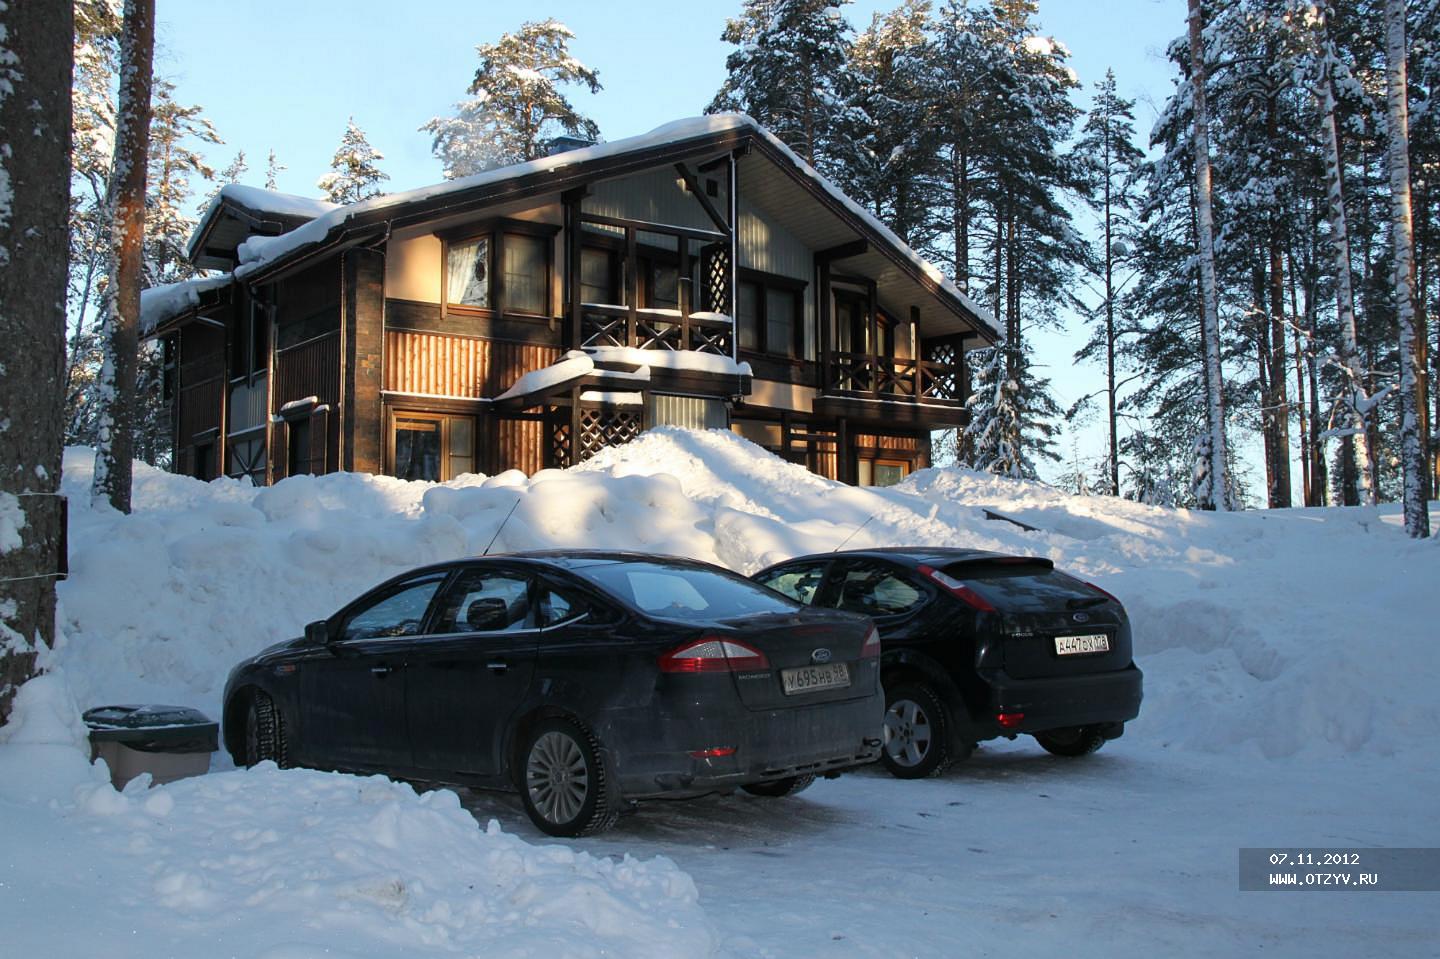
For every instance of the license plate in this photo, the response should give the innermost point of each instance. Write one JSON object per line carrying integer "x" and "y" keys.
{"x": 1080, "y": 645}
{"x": 808, "y": 679}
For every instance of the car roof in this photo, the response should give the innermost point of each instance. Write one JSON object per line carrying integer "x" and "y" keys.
{"x": 917, "y": 555}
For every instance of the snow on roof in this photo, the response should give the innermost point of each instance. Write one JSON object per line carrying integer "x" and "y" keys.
{"x": 162, "y": 303}
{"x": 570, "y": 367}
{"x": 613, "y": 397}
{"x": 258, "y": 252}
{"x": 670, "y": 360}
{"x": 266, "y": 202}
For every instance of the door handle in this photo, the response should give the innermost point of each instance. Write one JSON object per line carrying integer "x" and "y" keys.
{"x": 499, "y": 666}
{"x": 381, "y": 670}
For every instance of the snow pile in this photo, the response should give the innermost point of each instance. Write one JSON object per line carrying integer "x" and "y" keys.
{"x": 1280, "y": 632}
{"x": 290, "y": 864}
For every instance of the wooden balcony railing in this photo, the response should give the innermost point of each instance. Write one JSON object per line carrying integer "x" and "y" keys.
{"x": 888, "y": 378}
{"x": 646, "y": 329}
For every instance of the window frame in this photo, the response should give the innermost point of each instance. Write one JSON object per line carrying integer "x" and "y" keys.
{"x": 457, "y": 575}
{"x": 336, "y": 626}
{"x": 825, "y": 567}
{"x": 392, "y": 413}
{"x": 495, "y": 231}
{"x": 842, "y": 569}
{"x": 767, "y": 283}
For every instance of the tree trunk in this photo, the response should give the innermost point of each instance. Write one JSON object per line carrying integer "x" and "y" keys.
{"x": 1279, "y": 396}
{"x": 1218, "y": 494}
{"x": 1359, "y": 447}
{"x": 1111, "y": 419}
{"x": 1413, "y": 405}
{"x": 116, "y": 447}
{"x": 36, "y": 57}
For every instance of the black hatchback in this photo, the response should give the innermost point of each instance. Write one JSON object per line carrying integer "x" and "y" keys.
{"x": 979, "y": 645}
{"x": 583, "y": 680}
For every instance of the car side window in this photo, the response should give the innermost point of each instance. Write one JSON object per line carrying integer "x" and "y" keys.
{"x": 486, "y": 601}
{"x": 878, "y": 590}
{"x": 400, "y": 612}
{"x": 801, "y": 582}
{"x": 560, "y": 605}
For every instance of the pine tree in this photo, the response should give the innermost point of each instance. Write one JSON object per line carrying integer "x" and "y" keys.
{"x": 1109, "y": 161}
{"x": 273, "y": 169}
{"x": 36, "y": 55}
{"x": 121, "y": 313}
{"x": 788, "y": 73}
{"x": 993, "y": 434}
{"x": 231, "y": 174}
{"x": 353, "y": 174}
{"x": 176, "y": 132}
{"x": 516, "y": 105}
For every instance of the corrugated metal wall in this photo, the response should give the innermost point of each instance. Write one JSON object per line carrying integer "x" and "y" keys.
{"x": 691, "y": 412}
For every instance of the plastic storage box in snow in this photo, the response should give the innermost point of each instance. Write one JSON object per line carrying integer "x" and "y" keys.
{"x": 168, "y": 742}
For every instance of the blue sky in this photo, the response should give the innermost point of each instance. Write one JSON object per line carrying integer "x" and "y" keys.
{"x": 286, "y": 76}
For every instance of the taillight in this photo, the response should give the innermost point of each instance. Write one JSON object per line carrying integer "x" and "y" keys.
{"x": 872, "y": 644}
{"x": 711, "y": 654}
{"x": 1102, "y": 592}
{"x": 1009, "y": 720}
{"x": 957, "y": 589}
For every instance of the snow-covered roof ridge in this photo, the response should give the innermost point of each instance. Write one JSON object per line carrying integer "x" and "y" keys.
{"x": 259, "y": 252}
{"x": 162, "y": 303}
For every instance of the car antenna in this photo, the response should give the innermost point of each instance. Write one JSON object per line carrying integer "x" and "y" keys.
{"x": 502, "y": 526}
{"x": 854, "y": 534}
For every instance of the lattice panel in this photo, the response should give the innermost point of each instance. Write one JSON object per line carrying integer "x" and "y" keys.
{"x": 602, "y": 428}
{"x": 943, "y": 384}
{"x": 557, "y": 431}
{"x": 716, "y": 260}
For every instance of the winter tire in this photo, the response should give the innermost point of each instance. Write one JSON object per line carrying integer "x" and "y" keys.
{"x": 916, "y": 735}
{"x": 563, "y": 781}
{"x": 265, "y": 732}
{"x": 1071, "y": 740}
{"x": 779, "y": 788}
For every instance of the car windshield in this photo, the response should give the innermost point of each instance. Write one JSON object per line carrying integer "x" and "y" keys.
{"x": 1025, "y": 588}
{"x": 684, "y": 592}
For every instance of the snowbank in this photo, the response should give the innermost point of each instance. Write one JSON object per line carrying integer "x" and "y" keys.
{"x": 1279, "y": 632}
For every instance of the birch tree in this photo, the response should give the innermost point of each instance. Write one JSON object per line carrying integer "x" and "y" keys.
{"x": 1413, "y": 460}
{"x": 36, "y": 58}
{"x": 126, "y": 200}
{"x": 1214, "y": 493}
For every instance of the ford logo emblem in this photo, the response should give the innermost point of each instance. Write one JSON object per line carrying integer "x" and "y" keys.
{"x": 1081, "y": 617}
{"x": 820, "y": 656}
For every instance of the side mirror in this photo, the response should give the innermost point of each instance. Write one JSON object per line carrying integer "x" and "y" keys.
{"x": 318, "y": 632}
{"x": 486, "y": 614}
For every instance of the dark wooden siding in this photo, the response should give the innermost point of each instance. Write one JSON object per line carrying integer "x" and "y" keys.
{"x": 521, "y": 445}
{"x": 201, "y": 387}
{"x": 309, "y": 369}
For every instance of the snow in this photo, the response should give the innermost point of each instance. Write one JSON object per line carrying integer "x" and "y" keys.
{"x": 671, "y": 359}
{"x": 572, "y": 366}
{"x": 1289, "y": 699}
{"x": 613, "y": 397}
{"x": 161, "y": 303}
{"x": 12, "y": 521}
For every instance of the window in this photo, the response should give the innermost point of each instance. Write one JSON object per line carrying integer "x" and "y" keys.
{"x": 597, "y": 276}
{"x": 881, "y": 472}
{"x": 527, "y": 273}
{"x": 662, "y": 286}
{"x": 431, "y": 446}
{"x": 878, "y": 590}
{"x": 247, "y": 456}
{"x": 769, "y": 316}
{"x": 676, "y": 591}
{"x": 559, "y": 606}
{"x": 399, "y": 612}
{"x": 486, "y": 601}
{"x": 467, "y": 273}
{"x": 800, "y": 583}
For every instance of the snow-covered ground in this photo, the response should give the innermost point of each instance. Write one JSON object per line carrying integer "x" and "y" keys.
{"x": 1291, "y": 667}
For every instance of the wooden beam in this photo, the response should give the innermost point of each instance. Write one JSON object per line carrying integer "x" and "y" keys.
{"x": 694, "y": 187}
{"x": 648, "y": 226}
{"x": 843, "y": 251}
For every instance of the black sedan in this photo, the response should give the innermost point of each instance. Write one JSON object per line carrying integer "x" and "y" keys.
{"x": 979, "y": 645}
{"x": 583, "y": 680}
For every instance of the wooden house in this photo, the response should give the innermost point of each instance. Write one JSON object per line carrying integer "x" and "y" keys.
{"x": 701, "y": 275}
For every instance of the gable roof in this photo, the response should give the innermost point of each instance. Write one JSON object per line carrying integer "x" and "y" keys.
{"x": 262, "y": 258}
{"x": 237, "y": 212}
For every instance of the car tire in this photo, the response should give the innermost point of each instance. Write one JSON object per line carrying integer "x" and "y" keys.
{"x": 265, "y": 732}
{"x": 779, "y": 788}
{"x": 916, "y": 737}
{"x": 1071, "y": 740}
{"x": 563, "y": 781}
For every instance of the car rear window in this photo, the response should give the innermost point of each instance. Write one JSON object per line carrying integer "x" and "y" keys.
{"x": 1022, "y": 588}
{"x": 684, "y": 592}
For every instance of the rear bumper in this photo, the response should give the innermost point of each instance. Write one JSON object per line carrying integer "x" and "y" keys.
{"x": 651, "y": 756}
{"x": 1054, "y": 702}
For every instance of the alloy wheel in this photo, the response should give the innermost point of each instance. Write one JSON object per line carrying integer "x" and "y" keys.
{"x": 908, "y": 732}
{"x": 556, "y": 777}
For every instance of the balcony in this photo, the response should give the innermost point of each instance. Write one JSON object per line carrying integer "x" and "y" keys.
{"x": 891, "y": 390}
{"x": 604, "y": 325}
